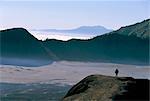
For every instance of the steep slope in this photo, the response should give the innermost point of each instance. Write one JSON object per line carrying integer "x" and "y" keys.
{"x": 19, "y": 47}
{"x": 106, "y": 88}
{"x": 141, "y": 30}
{"x": 118, "y": 46}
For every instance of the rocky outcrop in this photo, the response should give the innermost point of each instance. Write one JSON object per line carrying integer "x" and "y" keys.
{"x": 106, "y": 88}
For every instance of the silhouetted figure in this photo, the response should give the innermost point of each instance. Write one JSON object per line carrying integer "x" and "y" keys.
{"x": 116, "y": 72}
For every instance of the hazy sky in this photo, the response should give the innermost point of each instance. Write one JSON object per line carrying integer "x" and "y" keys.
{"x": 60, "y": 14}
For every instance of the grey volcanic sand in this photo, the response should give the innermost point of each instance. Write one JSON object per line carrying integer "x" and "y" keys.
{"x": 65, "y": 72}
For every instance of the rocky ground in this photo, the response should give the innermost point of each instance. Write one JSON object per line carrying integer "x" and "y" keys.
{"x": 107, "y": 88}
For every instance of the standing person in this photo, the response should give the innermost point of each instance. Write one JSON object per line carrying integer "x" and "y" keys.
{"x": 116, "y": 72}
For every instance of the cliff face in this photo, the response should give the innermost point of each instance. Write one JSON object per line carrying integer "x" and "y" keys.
{"x": 106, "y": 88}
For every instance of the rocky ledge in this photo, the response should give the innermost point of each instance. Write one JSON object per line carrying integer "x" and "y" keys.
{"x": 107, "y": 88}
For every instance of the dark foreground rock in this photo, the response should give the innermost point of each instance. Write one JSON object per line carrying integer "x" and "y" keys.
{"x": 106, "y": 88}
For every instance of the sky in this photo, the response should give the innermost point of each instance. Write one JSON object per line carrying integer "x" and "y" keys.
{"x": 68, "y": 14}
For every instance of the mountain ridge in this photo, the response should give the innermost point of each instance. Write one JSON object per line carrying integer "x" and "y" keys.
{"x": 118, "y": 46}
{"x": 141, "y": 29}
{"x": 18, "y": 44}
{"x": 111, "y": 47}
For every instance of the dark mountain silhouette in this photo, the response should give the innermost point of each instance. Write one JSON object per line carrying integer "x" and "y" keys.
{"x": 19, "y": 47}
{"x": 119, "y": 46}
{"x": 129, "y": 45}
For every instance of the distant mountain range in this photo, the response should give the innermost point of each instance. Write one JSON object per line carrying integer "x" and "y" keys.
{"x": 92, "y": 30}
{"x": 129, "y": 45}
